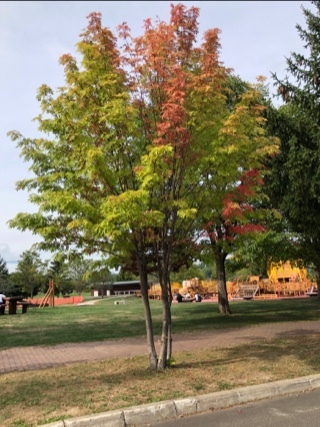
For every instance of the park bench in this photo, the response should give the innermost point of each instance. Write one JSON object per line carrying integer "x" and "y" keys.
{"x": 25, "y": 305}
{"x": 13, "y": 303}
{"x": 2, "y": 309}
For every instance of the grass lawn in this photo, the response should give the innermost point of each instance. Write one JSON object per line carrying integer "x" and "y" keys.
{"x": 105, "y": 320}
{"x": 45, "y": 396}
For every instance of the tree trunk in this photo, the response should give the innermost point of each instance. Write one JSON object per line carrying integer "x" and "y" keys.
{"x": 153, "y": 358}
{"x": 166, "y": 344}
{"x": 223, "y": 303}
{"x": 165, "y": 353}
{"x": 169, "y": 350}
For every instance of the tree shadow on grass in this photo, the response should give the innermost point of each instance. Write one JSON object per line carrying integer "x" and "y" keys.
{"x": 303, "y": 348}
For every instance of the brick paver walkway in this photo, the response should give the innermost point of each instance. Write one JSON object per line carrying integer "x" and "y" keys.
{"x": 39, "y": 357}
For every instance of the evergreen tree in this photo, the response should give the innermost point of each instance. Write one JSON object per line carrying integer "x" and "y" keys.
{"x": 29, "y": 276}
{"x": 294, "y": 184}
{"x": 59, "y": 273}
{"x": 4, "y": 276}
{"x": 4, "y": 273}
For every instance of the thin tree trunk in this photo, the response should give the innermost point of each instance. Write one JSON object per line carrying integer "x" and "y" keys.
{"x": 166, "y": 342}
{"x": 153, "y": 358}
{"x": 166, "y": 330}
{"x": 169, "y": 350}
{"x": 164, "y": 252}
{"x": 223, "y": 302}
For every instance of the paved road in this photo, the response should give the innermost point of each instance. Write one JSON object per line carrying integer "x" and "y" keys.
{"x": 298, "y": 410}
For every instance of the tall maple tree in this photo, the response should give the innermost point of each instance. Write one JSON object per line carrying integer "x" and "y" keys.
{"x": 90, "y": 161}
{"x": 172, "y": 82}
{"x": 135, "y": 131}
{"x": 116, "y": 176}
{"x": 234, "y": 181}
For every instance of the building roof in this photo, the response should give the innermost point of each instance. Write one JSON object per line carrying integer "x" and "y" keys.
{"x": 127, "y": 282}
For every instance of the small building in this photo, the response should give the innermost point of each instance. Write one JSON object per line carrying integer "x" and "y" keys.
{"x": 101, "y": 289}
{"x": 127, "y": 287}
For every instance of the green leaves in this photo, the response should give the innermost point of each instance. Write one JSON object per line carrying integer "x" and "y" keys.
{"x": 294, "y": 181}
{"x": 128, "y": 213}
{"x": 142, "y": 143}
{"x": 156, "y": 167}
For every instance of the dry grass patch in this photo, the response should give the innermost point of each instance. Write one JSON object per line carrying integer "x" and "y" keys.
{"x": 48, "y": 395}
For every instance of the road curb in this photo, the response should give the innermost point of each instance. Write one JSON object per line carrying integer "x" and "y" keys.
{"x": 174, "y": 409}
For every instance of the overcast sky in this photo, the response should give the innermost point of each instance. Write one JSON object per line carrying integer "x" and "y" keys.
{"x": 256, "y": 38}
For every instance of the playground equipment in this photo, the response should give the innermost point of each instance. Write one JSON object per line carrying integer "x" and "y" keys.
{"x": 188, "y": 289}
{"x": 192, "y": 287}
{"x": 49, "y": 296}
{"x": 248, "y": 289}
{"x": 155, "y": 290}
{"x": 284, "y": 272}
{"x": 289, "y": 279}
{"x": 285, "y": 279}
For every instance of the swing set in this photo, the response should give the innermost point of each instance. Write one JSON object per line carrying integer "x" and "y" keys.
{"x": 49, "y": 296}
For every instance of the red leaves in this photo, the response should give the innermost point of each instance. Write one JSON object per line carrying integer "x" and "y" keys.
{"x": 184, "y": 22}
{"x": 243, "y": 192}
{"x": 161, "y": 76}
{"x": 238, "y": 216}
{"x": 246, "y": 228}
{"x": 228, "y": 231}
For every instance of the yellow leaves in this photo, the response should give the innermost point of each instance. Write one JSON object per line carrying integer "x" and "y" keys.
{"x": 271, "y": 146}
{"x": 228, "y": 130}
{"x": 242, "y": 133}
{"x": 184, "y": 210}
{"x": 236, "y": 120}
{"x": 156, "y": 166}
{"x": 187, "y": 213}
{"x": 128, "y": 212}
{"x": 230, "y": 148}
{"x": 77, "y": 224}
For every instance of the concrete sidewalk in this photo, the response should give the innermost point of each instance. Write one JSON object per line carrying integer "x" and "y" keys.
{"x": 40, "y": 357}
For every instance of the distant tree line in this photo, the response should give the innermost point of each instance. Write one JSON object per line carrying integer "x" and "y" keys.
{"x": 32, "y": 275}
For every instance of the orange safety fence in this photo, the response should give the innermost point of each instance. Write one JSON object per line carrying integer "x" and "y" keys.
{"x": 59, "y": 301}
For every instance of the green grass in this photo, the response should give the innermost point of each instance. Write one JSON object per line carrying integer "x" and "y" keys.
{"x": 105, "y": 320}
{"x": 33, "y": 398}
